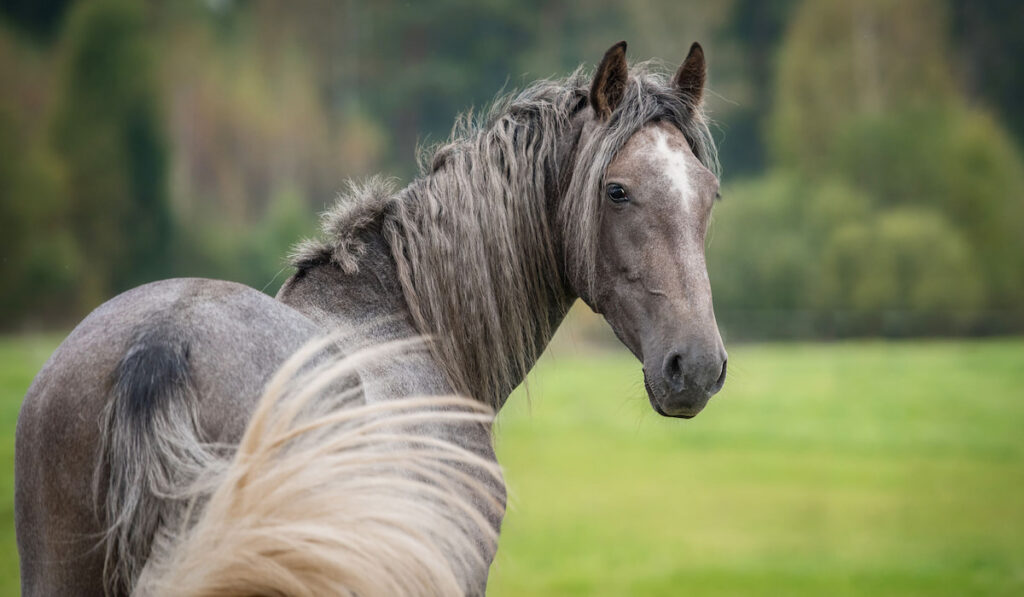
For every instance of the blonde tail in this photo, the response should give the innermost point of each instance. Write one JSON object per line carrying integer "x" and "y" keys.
{"x": 324, "y": 497}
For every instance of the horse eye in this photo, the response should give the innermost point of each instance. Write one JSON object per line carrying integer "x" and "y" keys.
{"x": 616, "y": 193}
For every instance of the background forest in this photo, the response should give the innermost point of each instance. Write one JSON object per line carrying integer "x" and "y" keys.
{"x": 873, "y": 175}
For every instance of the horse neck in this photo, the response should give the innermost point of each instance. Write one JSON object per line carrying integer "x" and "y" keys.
{"x": 470, "y": 254}
{"x": 479, "y": 257}
{"x": 371, "y": 302}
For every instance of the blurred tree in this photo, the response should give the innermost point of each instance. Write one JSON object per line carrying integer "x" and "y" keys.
{"x": 989, "y": 48}
{"x": 422, "y": 64}
{"x": 107, "y": 131}
{"x": 953, "y": 161}
{"x": 38, "y": 258}
{"x": 903, "y": 271}
{"x": 841, "y": 61}
{"x": 249, "y": 114}
{"x": 412, "y": 67}
{"x": 755, "y": 29}
{"x": 866, "y": 96}
{"x": 41, "y": 18}
{"x": 765, "y": 246}
{"x": 251, "y": 253}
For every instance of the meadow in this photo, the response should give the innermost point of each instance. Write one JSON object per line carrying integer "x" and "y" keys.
{"x": 867, "y": 468}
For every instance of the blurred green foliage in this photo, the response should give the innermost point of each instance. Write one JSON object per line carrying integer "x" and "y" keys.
{"x": 107, "y": 132}
{"x": 874, "y": 182}
{"x": 893, "y": 207}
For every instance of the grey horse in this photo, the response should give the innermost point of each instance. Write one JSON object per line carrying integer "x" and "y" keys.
{"x": 598, "y": 188}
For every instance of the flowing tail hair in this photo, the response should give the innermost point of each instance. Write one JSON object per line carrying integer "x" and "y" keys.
{"x": 325, "y": 497}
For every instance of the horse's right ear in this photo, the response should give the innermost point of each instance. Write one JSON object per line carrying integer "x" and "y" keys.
{"x": 609, "y": 84}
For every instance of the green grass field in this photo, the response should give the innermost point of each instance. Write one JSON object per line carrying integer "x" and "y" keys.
{"x": 822, "y": 469}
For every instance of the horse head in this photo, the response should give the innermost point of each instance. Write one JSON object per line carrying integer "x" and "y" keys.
{"x": 648, "y": 276}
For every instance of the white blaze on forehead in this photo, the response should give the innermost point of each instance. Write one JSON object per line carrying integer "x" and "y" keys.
{"x": 672, "y": 162}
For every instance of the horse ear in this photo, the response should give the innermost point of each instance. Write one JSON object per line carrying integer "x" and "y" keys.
{"x": 689, "y": 79}
{"x": 610, "y": 81}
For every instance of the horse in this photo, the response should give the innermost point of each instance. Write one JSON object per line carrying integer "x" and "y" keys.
{"x": 597, "y": 188}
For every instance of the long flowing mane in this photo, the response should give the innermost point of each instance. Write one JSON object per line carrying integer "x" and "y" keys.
{"x": 501, "y": 222}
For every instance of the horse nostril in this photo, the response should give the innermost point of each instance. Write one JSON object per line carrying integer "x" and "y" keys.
{"x": 674, "y": 375}
{"x": 721, "y": 376}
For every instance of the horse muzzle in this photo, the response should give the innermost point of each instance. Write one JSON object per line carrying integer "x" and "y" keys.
{"x": 684, "y": 382}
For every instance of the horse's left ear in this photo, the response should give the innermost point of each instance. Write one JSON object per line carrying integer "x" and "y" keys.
{"x": 689, "y": 79}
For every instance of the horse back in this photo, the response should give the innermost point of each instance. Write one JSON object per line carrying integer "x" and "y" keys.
{"x": 190, "y": 355}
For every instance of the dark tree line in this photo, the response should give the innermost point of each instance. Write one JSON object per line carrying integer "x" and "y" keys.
{"x": 873, "y": 175}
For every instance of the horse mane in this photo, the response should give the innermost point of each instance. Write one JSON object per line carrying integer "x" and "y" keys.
{"x": 496, "y": 234}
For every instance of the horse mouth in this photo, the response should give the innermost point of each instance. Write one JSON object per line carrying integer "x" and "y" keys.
{"x": 657, "y": 407}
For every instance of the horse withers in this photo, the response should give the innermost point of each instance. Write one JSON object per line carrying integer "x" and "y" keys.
{"x": 597, "y": 188}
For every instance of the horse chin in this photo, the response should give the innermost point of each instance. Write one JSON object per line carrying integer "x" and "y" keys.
{"x": 655, "y": 404}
